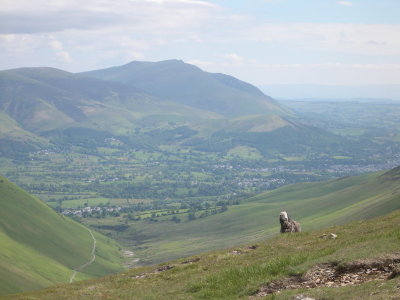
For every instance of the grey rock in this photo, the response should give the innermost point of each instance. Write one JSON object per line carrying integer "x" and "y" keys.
{"x": 302, "y": 297}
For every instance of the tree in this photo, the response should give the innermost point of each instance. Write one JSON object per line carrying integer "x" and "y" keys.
{"x": 191, "y": 216}
{"x": 176, "y": 219}
{"x": 223, "y": 208}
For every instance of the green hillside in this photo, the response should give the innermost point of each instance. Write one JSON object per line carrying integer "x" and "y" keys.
{"x": 39, "y": 107}
{"x": 177, "y": 81}
{"x": 313, "y": 204}
{"x": 43, "y": 99}
{"x": 38, "y": 104}
{"x": 362, "y": 262}
{"x": 40, "y": 247}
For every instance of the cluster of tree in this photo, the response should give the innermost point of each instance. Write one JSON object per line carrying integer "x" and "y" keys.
{"x": 100, "y": 214}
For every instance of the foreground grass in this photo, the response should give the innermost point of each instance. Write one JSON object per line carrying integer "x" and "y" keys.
{"x": 238, "y": 273}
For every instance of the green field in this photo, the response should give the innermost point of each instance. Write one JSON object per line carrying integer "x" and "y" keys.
{"x": 81, "y": 202}
{"x": 241, "y": 272}
{"x": 313, "y": 204}
{"x": 40, "y": 247}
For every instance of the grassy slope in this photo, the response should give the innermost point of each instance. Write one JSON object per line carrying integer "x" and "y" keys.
{"x": 9, "y": 128}
{"x": 42, "y": 99}
{"x": 225, "y": 275}
{"x": 313, "y": 204}
{"x": 40, "y": 247}
{"x": 37, "y": 100}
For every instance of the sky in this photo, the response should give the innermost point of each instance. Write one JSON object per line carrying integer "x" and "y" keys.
{"x": 264, "y": 42}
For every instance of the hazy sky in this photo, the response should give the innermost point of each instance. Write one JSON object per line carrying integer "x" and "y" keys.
{"x": 260, "y": 41}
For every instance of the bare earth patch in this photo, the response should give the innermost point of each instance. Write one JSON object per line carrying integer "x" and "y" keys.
{"x": 131, "y": 263}
{"x": 166, "y": 268}
{"x": 334, "y": 275}
{"x": 191, "y": 261}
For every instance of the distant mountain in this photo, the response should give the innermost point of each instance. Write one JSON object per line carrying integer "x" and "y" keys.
{"x": 42, "y": 99}
{"x": 177, "y": 81}
{"x": 36, "y": 101}
{"x": 40, "y": 247}
{"x": 145, "y": 105}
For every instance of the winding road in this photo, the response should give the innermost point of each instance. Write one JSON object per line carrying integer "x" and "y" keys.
{"x": 80, "y": 268}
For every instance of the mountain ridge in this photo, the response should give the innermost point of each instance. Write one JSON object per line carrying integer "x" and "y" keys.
{"x": 184, "y": 83}
{"x": 42, "y": 100}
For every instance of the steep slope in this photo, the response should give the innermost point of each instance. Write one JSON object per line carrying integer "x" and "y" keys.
{"x": 177, "y": 81}
{"x": 361, "y": 263}
{"x": 313, "y": 204}
{"x": 40, "y": 247}
{"x": 14, "y": 139}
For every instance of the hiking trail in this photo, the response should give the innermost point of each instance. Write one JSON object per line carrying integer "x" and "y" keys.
{"x": 81, "y": 267}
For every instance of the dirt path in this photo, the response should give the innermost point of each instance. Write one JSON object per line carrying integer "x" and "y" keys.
{"x": 80, "y": 268}
{"x": 333, "y": 275}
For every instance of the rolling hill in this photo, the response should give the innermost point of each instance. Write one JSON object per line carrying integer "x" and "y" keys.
{"x": 361, "y": 263}
{"x": 40, "y": 247}
{"x": 315, "y": 205}
{"x": 39, "y": 103}
{"x": 42, "y": 99}
{"x": 184, "y": 83}
{"x": 250, "y": 118}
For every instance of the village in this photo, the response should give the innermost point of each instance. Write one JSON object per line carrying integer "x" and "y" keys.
{"x": 89, "y": 211}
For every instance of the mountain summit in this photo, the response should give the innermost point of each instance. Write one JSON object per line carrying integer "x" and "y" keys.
{"x": 175, "y": 80}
